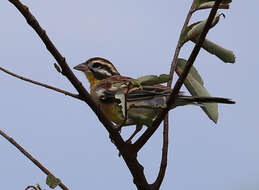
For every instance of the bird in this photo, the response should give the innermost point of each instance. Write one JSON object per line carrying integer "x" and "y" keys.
{"x": 127, "y": 102}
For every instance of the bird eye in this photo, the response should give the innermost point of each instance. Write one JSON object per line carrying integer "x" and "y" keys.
{"x": 96, "y": 65}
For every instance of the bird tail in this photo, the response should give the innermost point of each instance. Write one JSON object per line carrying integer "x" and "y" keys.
{"x": 198, "y": 100}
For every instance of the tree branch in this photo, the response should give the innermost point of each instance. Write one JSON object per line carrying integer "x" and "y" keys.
{"x": 30, "y": 157}
{"x": 127, "y": 150}
{"x": 150, "y": 131}
{"x": 65, "y": 68}
{"x": 41, "y": 84}
{"x": 179, "y": 45}
{"x": 163, "y": 163}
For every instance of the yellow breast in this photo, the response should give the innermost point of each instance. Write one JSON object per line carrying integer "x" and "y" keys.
{"x": 112, "y": 112}
{"x": 92, "y": 80}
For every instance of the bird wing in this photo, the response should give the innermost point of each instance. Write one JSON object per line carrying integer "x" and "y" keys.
{"x": 149, "y": 96}
{"x": 148, "y": 92}
{"x": 115, "y": 88}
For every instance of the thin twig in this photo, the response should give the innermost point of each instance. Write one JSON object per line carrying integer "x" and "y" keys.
{"x": 30, "y": 157}
{"x": 41, "y": 84}
{"x": 179, "y": 45}
{"x": 163, "y": 163}
{"x": 150, "y": 131}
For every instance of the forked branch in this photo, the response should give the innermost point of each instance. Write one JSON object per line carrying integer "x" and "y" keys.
{"x": 150, "y": 131}
{"x": 127, "y": 152}
{"x": 163, "y": 163}
{"x": 31, "y": 20}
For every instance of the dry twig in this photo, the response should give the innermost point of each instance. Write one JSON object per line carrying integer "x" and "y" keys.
{"x": 41, "y": 84}
{"x": 30, "y": 157}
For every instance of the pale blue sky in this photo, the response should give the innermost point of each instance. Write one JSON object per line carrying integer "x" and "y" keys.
{"x": 139, "y": 37}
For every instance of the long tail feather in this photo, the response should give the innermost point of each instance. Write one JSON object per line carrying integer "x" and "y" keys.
{"x": 198, "y": 100}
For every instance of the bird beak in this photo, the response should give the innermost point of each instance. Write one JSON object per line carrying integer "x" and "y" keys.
{"x": 81, "y": 67}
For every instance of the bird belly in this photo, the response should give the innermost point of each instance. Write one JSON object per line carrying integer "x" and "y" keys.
{"x": 143, "y": 116}
{"x": 113, "y": 112}
{"x": 136, "y": 115}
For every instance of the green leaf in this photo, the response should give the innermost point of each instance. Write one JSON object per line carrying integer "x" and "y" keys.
{"x": 224, "y": 54}
{"x": 153, "y": 79}
{"x": 210, "y": 4}
{"x": 57, "y": 68}
{"x": 193, "y": 72}
{"x": 204, "y": 4}
{"x": 52, "y": 181}
{"x": 194, "y": 84}
{"x": 196, "y": 29}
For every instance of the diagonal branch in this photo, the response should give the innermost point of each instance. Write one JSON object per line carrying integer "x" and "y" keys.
{"x": 179, "y": 44}
{"x": 163, "y": 164}
{"x": 41, "y": 84}
{"x": 65, "y": 68}
{"x": 30, "y": 157}
{"x": 127, "y": 151}
{"x": 150, "y": 131}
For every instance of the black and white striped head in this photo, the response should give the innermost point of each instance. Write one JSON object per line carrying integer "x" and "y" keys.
{"x": 99, "y": 68}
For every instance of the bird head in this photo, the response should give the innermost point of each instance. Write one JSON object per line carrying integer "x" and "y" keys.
{"x": 97, "y": 69}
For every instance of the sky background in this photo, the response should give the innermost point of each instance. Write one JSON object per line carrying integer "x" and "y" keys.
{"x": 139, "y": 37}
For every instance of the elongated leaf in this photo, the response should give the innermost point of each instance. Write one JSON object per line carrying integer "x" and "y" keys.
{"x": 210, "y": 4}
{"x": 153, "y": 79}
{"x": 196, "y": 29}
{"x": 201, "y": 4}
{"x": 224, "y": 54}
{"x": 193, "y": 72}
{"x": 194, "y": 84}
